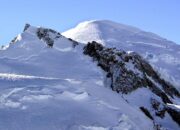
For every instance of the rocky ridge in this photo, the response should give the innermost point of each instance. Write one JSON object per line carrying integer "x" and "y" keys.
{"x": 127, "y": 72}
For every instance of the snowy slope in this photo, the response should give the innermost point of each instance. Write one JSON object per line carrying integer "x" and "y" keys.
{"x": 47, "y": 83}
{"x": 164, "y": 55}
{"x": 44, "y": 88}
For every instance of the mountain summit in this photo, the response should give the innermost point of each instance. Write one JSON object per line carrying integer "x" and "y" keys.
{"x": 163, "y": 55}
{"x": 50, "y": 82}
{"x": 108, "y": 31}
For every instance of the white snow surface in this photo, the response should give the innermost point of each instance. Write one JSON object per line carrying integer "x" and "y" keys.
{"x": 59, "y": 88}
{"x": 163, "y": 55}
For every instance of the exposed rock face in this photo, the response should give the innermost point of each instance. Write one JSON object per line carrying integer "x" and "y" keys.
{"x": 129, "y": 71}
{"x": 48, "y": 35}
{"x": 146, "y": 112}
{"x": 26, "y": 27}
{"x": 13, "y": 40}
{"x": 75, "y": 43}
{"x": 175, "y": 114}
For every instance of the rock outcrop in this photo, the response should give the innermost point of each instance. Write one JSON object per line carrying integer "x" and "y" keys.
{"x": 48, "y": 35}
{"x": 128, "y": 72}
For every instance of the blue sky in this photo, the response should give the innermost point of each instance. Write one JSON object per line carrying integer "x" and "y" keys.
{"x": 158, "y": 16}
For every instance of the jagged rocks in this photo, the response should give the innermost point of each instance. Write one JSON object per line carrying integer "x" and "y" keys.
{"x": 43, "y": 34}
{"x": 129, "y": 71}
{"x": 174, "y": 112}
{"x": 75, "y": 43}
{"x": 146, "y": 112}
{"x": 48, "y": 35}
{"x": 158, "y": 107}
{"x": 113, "y": 62}
{"x": 26, "y": 27}
{"x": 13, "y": 40}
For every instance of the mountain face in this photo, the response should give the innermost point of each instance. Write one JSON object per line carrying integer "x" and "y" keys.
{"x": 162, "y": 54}
{"x": 127, "y": 72}
{"x": 50, "y": 82}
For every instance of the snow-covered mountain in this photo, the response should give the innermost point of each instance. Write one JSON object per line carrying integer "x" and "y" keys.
{"x": 163, "y": 55}
{"x": 50, "y": 82}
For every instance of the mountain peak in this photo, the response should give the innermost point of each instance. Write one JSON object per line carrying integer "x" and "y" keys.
{"x": 27, "y": 25}
{"x": 36, "y": 39}
{"x": 45, "y": 34}
{"x": 111, "y": 24}
{"x": 157, "y": 50}
{"x": 106, "y": 31}
{"x": 70, "y": 79}
{"x": 107, "y": 23}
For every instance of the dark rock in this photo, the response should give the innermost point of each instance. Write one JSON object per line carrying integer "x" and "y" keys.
{"x": 128, "y": 72}
{"x": 48, "y": 35}
{"x": 125, "y": 80}
{"x": 26, "y": 27}
{"x": 13, "y": 41}
{"x": 75, "y": 43}
{"x": 175, "y": 114}
{"x": 146, "y": 112}
{"x": 159, "y": 108}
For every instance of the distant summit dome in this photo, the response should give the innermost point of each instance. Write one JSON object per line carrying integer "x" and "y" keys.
{"x": 106, "y": 31}
{"x": 163, "y": 54}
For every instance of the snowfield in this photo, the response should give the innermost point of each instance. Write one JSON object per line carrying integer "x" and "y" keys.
{"x": 59, "y": 88}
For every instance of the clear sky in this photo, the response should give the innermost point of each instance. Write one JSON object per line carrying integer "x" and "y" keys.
{"x": 159, "y": 16}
